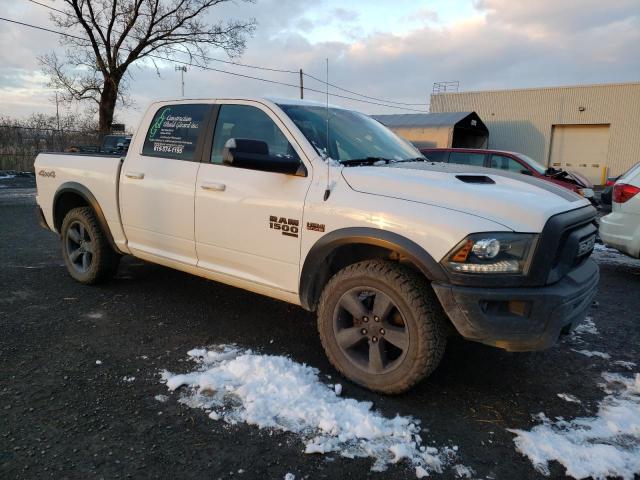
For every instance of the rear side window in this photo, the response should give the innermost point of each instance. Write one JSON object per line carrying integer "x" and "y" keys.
{"x": 467, "y": 158}
{"x": 437, "y": 156}
{"x": 175, "y": 131}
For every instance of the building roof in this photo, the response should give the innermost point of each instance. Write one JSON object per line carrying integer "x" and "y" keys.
{"x": 422, "y": 119}
{"x": 528, "y": 89}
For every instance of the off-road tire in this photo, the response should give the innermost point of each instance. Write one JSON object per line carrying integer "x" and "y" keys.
{"x": 104, "y": 261}
{"x": 423, "y": 317}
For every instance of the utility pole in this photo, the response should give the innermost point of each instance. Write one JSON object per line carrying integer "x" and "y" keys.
{"x": 182, "y": 69}
{"x": 57, "y": 112}
{"x": 301, "y": 85}
{"x": 58, "y": 123}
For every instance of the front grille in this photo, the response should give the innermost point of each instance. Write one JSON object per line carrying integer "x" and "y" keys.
{"x": 569, "y": 254}
{"x": 558, "y": 249}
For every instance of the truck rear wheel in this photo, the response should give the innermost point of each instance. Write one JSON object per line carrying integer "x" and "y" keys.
{"x": 381, "y": 325}
{"x": 86, "y": 252}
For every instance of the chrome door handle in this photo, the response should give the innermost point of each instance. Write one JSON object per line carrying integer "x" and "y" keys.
{"x": 214, "y": 187}
{"x": 134, "y": 175}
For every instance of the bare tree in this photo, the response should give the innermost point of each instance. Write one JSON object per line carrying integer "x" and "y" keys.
{"x": 121, "y": 32}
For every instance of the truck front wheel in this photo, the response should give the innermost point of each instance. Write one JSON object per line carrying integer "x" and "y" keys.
{"x": 381, "y": 325}
{"x": 86, "y": 252}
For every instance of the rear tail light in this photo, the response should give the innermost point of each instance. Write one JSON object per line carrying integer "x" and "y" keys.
{"x": 622, "y": 192}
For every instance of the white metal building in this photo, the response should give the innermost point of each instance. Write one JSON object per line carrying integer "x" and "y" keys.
{"x": 592, "y": 129}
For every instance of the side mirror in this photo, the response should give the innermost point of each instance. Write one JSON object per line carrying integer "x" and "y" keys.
{"x": 254, "y": 155}
{"x": 524, "y": 171}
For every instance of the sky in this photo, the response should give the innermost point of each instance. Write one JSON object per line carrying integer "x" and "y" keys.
{"x": 392, "y": 50}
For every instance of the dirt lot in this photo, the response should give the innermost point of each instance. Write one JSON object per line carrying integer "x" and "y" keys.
{"x": 64, "y": 416}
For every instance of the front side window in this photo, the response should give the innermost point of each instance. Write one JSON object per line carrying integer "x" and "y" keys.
{"x": 348, "y": 135}
{"x": 506, "y": 163}
{"x": 532, "y": 163}
{"x": 249, "y": 123}
{"x": 467, "y": 158}
{"x": 175, "y": 131}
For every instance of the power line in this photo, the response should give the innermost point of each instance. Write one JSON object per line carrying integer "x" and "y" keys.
{"x": 171, "y": 60}
{"x": 257, "y": 67}
{"x": 22, "y": 127}
{"x": 324, "y": 82}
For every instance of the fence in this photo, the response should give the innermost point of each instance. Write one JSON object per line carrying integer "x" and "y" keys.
{"x": 19, "y": 145}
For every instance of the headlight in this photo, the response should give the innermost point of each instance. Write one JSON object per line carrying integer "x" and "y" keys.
{"x": 492, "y": 253}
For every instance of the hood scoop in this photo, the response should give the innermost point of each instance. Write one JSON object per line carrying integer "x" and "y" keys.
{"x": 475, "y": 179}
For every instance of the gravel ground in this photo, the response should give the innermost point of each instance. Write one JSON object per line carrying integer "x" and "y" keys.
{"x": 64, "y": 416}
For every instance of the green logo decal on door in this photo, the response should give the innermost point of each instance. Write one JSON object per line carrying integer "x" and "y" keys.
{"x": 157, "y": 125}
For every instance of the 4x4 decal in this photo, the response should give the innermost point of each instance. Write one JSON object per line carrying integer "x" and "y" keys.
{"x": 315, "y": 227}
{"x": 288, "y": 226}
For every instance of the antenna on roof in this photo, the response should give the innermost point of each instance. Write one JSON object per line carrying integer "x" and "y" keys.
{"x": 448, "y": 86}
{"x": 327, "y": 192}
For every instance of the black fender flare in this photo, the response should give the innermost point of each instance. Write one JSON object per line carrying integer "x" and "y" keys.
{"x": 308, "y": 289}
{"x": 85, "y": 193}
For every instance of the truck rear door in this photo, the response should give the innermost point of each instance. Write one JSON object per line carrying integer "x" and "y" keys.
{"x": 158, "y": 182}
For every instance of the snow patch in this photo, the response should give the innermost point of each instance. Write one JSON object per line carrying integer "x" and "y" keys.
{"x": 274, "y": 392}
{"x": 569, "y": 398}
{"x": 606, "y": 255}
{"x": 161, "y": 398}
{"x": 607, "y": 445}
{"x": 625, "y": 364}
{"x": 289, "y": 476}
{"x": 462, "y": 471}
{"x": 592, "y": 353}
{"x": 128, "y": 379}
{"x": 587, "y": 326}
{"x": 421, "y": 472}
{"x": 98, "y": 362}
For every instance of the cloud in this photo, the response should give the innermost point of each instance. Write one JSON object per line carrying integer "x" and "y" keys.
{"x": 553, "y": 15}
{"x": 501, "y": 44}
{"x": 423, "y": 15}
{"x": 345, "y": 15}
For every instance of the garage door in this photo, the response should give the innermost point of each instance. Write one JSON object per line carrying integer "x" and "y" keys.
{"x": 581, "y": 148}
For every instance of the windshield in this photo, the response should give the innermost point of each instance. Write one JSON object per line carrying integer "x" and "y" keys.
{"x": 532, "y": 163}
{"x": 352, "y": 135}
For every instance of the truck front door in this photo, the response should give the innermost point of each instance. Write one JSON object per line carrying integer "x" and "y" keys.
{"x": 249, "y": 222}
{"x": 158, "y": 182}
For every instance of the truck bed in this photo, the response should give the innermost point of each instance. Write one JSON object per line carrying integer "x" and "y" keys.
{"x": 97, "y": 173}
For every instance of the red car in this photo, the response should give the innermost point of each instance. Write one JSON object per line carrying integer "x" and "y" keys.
{"x": 512, "y": 162}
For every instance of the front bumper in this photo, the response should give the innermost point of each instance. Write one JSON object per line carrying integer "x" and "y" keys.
{"x": 523, "y": 318}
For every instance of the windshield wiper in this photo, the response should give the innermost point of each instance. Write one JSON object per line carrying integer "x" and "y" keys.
{"x": 415, "y": 159}
{"x": 365, "y": 161}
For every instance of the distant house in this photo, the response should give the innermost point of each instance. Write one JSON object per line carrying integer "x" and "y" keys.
{"x": 446, "y": 129}
{"x": 591, "y": 129}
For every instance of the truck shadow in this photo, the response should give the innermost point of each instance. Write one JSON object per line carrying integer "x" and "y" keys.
{"x": 220, "y": 314}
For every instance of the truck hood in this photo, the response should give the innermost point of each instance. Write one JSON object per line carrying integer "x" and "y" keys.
{"x": 516, "y": 201}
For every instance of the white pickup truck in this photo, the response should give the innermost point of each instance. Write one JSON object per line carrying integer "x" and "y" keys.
{"x": 326, "y": 208}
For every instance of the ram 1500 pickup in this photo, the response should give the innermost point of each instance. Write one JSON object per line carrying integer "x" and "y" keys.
{"x": 326, "y": 208}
